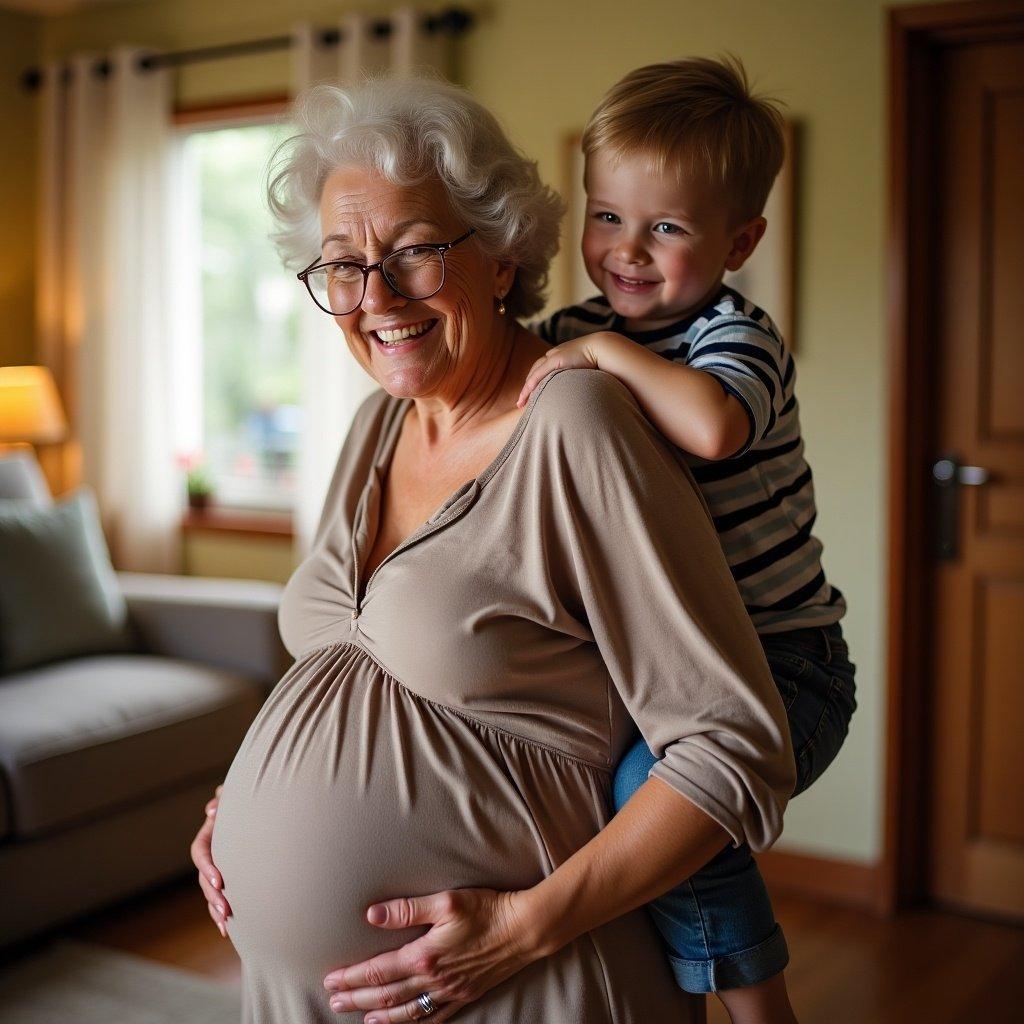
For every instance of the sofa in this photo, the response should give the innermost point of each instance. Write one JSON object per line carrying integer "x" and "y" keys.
{"x": 106, "y": 760}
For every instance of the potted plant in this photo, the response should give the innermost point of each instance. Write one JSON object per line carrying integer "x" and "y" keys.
{"x": 198, "y": 483}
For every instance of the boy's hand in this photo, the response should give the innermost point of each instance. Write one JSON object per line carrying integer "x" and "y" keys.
{"x": 582, "y": 353}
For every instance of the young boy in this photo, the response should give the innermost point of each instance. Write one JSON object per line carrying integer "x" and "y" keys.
{"x": 680, "y": 158}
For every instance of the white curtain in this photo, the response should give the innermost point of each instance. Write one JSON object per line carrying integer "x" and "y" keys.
{"x": 104, "y": 296}
{"x": 333, "y": 383}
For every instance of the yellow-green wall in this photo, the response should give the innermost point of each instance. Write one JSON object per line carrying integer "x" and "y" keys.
{"x": 19, "y": 43}
{"x": 541, "y": 66}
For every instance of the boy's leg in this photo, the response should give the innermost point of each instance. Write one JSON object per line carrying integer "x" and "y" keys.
{"x": 718, "y": 925}
{"x": 764, "y": 1003}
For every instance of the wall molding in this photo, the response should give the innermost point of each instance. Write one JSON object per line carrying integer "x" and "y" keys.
{"x": 823, "y": 879}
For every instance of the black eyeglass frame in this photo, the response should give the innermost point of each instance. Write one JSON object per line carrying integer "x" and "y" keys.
{"x": 439, "y": 247}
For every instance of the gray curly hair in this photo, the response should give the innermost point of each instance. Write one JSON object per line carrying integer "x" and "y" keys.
{"x": 409, "y": 130}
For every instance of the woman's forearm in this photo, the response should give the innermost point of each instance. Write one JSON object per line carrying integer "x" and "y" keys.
{"x": 658, "y": 839}
{"x": 477, "y": 938}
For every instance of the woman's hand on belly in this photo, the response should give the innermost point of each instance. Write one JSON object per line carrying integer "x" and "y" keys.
{"x": 479, "y": 937}
{"x": 476, "y": 940}
{"x": 210, "y": 880}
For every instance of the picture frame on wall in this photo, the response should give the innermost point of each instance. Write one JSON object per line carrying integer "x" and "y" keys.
{"x": 768, "y": 278}
{"x": 576, "y": 285}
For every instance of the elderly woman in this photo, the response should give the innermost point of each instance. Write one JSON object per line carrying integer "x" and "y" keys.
{"x": 494, "y": 597}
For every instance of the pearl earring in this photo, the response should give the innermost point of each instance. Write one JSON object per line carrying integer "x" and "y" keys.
{"x": 501, "y": 305}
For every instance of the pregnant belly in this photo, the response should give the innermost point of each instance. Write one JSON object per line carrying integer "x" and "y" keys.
{"x": 349, "y": 790}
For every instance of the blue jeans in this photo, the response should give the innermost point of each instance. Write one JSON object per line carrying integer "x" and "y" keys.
{"x": 718, "y": 925}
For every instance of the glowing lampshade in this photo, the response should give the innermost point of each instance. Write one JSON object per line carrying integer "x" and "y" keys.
{"x": 30, "y": 408}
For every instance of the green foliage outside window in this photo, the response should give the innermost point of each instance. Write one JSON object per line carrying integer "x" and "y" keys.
{"x": 250, "y": 320}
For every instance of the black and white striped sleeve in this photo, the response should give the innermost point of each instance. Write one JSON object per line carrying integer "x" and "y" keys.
{"x": 746, "y": 357}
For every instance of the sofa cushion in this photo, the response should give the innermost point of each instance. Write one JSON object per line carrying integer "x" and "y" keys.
{"x": 21, "y": 477}
{"x": 58, "y": 592}
{"x": 80, "y": 737}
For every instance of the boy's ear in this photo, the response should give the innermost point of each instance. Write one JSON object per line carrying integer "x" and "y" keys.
{"x": 744, "y": 242}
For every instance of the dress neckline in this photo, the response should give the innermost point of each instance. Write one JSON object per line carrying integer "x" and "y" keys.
{"x": 364, "y": 532}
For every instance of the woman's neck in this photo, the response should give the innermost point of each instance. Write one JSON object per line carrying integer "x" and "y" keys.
{"x": 487, "y": 396}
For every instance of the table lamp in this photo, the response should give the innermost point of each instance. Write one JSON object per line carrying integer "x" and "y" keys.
{"x": 30, "y": 408}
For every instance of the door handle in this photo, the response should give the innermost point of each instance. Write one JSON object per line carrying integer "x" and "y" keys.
{"x": 948, "y": 471}
{"x": 947, "y": 476}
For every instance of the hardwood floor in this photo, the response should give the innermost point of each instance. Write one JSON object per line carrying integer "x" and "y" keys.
{"x": 847, "y": 967}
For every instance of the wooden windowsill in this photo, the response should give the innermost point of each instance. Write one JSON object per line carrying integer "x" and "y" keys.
{"x": 238, "y": 521}
{"x": 231, "y": 109}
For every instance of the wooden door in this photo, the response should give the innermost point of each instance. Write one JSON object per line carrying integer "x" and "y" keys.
{"x": 976, "y": 776}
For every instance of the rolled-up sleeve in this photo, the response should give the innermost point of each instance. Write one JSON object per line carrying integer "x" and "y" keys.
{"x": 664, "y": 610}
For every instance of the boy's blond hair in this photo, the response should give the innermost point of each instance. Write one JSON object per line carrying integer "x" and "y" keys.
{"x": 694, "y": 117}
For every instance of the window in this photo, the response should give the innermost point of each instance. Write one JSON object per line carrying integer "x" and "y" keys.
{"x": 238, "y": 320}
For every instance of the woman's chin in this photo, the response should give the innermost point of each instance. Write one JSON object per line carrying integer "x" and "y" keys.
{"x": 412, "y": 375}
{"x": 406, "y": 381}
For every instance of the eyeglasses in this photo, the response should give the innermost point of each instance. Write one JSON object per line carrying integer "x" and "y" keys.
{"x": 414, "y": 272}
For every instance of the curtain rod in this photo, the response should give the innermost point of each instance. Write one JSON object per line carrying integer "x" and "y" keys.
{"x": 453, "y": 21}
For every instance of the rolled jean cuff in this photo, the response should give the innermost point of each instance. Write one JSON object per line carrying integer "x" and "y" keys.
{"x": 737, "y": 970}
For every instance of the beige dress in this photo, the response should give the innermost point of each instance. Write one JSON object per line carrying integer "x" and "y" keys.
{"x": 454, "y": 720}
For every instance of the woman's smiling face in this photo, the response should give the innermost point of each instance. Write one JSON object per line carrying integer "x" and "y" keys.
{"x": 414, "y": 348}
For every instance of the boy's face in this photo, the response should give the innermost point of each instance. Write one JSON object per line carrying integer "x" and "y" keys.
{"x": 655, "y": 247}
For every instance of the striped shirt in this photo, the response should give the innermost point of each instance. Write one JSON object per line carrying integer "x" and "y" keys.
{"x": 762, "y": 498}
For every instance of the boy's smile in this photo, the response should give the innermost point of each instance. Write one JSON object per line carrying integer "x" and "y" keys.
{"x": 657, "y": 247}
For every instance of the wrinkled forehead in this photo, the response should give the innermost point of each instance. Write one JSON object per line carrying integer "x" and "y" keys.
{"x": 363, "y": 208}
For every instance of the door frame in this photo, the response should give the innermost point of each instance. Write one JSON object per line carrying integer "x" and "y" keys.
{"x": 915, "y": 33}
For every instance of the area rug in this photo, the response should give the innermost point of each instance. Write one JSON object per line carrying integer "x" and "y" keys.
{"x": 74, "y": 983}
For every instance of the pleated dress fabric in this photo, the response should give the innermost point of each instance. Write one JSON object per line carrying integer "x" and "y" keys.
{"x": 454, "y": 720}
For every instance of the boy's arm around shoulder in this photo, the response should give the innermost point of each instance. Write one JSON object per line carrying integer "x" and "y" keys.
{"x": 688, "y": 406}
